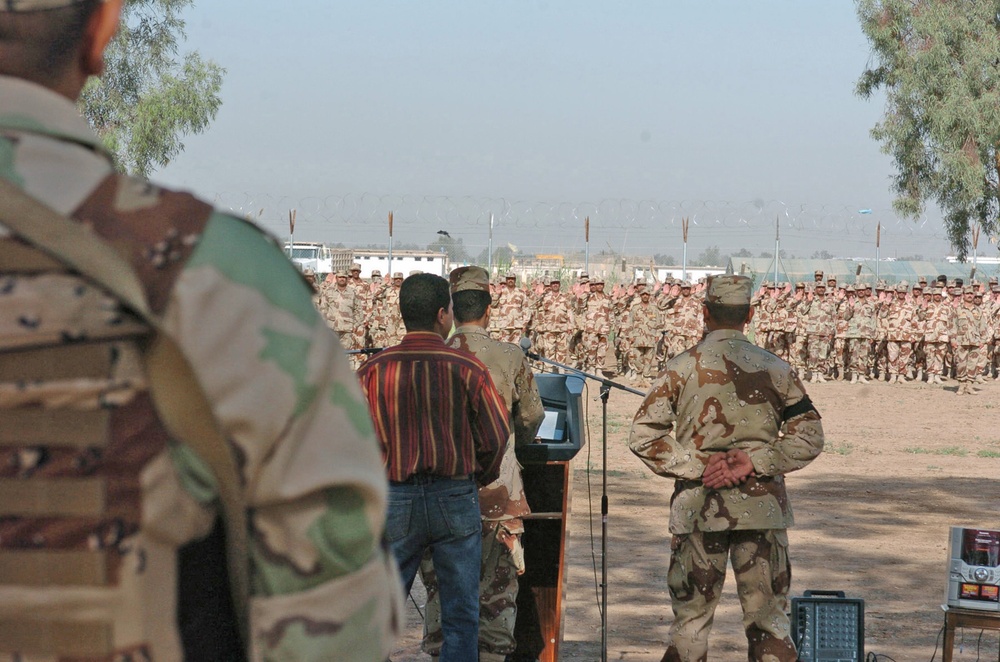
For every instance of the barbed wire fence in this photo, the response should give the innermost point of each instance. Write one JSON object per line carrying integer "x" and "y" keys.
{"x": 617, "y": 226}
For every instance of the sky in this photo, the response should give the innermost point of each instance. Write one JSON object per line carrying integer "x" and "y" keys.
{"x": 736, "y": 115}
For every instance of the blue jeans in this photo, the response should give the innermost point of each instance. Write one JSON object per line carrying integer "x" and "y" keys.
{"x": 442, "y": 514}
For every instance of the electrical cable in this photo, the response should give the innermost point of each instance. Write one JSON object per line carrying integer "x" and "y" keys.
{"x": 590, "y": 502}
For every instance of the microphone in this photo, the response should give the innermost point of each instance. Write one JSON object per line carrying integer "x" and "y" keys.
{"x": 525, "y": 345}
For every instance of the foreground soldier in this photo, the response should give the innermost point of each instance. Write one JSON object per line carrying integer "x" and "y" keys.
{"x": 109, "y": 536}
{"x": 726, "y": 401}
{"x": 502, "y": 502}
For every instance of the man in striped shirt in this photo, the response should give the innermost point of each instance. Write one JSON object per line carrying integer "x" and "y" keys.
{"x": 443, "y": 428}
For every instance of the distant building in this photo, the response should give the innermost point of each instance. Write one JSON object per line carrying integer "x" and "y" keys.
{"x": 403, "y": 261}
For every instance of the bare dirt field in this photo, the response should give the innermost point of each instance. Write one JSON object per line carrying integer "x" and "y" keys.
{"x": 902, "y": 464}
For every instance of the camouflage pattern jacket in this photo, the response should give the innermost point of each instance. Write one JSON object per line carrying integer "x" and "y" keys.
{"x": 725, "y": 393}
{"x": 511, "y": 308}
{"x": 645, "y": 325}
{"x": 554, "y": 314}
{"x": 818, "y": 316}
{"x": 940, "y": 322}
{"x": 595, "y": 313}
{"x": 971, "y": 326}
{"x": 342, "y": 308}
{"x": 89, "y": 474}
{"x": 686, "y": 319}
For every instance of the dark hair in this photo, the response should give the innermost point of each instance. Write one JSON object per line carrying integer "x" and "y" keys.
{"x": 421, "y": 296}
{"x": 727, "y": 314}
{"x": 470, "y": 305}
{"x": 40, "y": 45}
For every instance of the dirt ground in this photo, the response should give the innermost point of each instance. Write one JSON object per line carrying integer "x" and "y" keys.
{"x": 902, "y": 464}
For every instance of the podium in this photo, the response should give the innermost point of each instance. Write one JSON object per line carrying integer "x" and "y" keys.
{"x": 548, "y": 488}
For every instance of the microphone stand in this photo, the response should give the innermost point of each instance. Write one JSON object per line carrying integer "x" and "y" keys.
{"x": 366, "y": 351}
{"x": 606, "y": 386}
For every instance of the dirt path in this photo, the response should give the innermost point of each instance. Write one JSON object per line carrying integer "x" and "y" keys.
{"x": 902, "y": 465}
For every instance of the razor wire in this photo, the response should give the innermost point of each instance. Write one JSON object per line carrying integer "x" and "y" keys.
{"x": 619, "y": 226}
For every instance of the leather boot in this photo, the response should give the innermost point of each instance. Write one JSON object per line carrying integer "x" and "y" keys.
{"x": 854, "y": 378}
{"x": 862, "y": 379}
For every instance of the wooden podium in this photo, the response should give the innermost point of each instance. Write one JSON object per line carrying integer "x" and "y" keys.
{"x": 546, "y": 470}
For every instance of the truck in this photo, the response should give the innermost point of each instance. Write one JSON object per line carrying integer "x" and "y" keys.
{"x": 319, "y": 257}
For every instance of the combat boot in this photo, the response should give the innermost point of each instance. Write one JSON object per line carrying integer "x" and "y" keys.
{"x": 920, "y": 374}
{"x": 862, "y": 379}
{"x": 854, "y": 378}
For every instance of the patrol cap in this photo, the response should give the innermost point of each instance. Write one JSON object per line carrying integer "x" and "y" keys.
{"x": 729, "y": 290}
{"x": 511, "y": 276}
{"x": 800, "y": 285}
{"x": 766, "y": 283}
{"x": 308, "y": 271}
{"x": 355, "y": 267}
{"x": 398, "y": 274}
{"x": 818, "y": 272}
{"x": 968, "y": 289}
{"x": 685, "y": 284}
{"x": 850, "y": 288}
{"x": 376, "y": 273}
{"x": 902, "y": 287}
{"x": 34, "y": 5}
{"x": 640, "y": 281}
{"x": 341, "y": 273}
{"x": 597, "y": 280}
{"x": 584, "y": 276}
{"x": 469, "y": 278}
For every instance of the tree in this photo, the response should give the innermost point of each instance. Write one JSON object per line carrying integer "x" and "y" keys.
{"x": 661, "y": 258}
{"x": 822, "y": 255}
{"x": 938, "y": 64}
{"x": 147, "y": 100}
{"x": 743, "y": 252}
{"x": 710, "y": 257}
{"x": 454, "y": 248}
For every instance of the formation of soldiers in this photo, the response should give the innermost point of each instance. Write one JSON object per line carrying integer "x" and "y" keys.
{"x": 930, "y": 332}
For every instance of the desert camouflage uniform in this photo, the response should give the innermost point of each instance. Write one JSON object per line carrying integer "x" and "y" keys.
{"x": 343, "y": 311}
{"x": 818, "y": 326}
{"x": 510, "y": 310}
{"x": 968, "y": 339}
{"x": 796, "y": 327}
{"x": 502, "y": 503}
{"x": 116, "y": 498}
{"x": 899, "y": 317}
{"x": 686, "y": 324}
{"x": 722, "y": 394}
{"x": 860, "y": 336}
{"x": 555, "y": 323}
{"x": 939, "y": 324}
{"x": 838, "y": 354}
{"x": 643, "y": 329}
{"x": 595, "y": 317}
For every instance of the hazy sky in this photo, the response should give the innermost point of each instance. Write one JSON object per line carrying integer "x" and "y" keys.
{"x": 633, "y": 113}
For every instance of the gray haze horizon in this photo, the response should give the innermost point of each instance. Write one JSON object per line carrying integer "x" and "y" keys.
{"x": 736, "y": 115}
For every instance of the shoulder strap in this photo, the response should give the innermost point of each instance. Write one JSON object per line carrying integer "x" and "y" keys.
{"x": 176, "y": 392}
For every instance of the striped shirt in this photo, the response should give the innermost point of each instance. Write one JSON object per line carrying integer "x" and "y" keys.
{"x": 435, "y": 410}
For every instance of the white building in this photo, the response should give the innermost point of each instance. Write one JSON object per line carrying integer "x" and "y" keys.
{"x": 402, "y": 261}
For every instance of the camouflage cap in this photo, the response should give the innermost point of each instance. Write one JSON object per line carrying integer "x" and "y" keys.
{"x": 376, "y": 273}
{"x": 341, "y": 273}
{"x": 685, "y": 284}
{"x": 35, "y": 5}
{"x": 850, "y": 289}
{"x": 640, "y": 281}
{"x": 902, "y": 287}
{"x": 800, "y": 285}
{"x": 729, "y": 290}
{"x": 355, "y": 267}
{"x": 308, "y": 271}
{"x": 398, "y": 274}
{"x": 469, "y": 278}
{"x": 818, "y": 272}
{"x": 511, "y": 275}
{"x": 597, "y": 280}
{"x": 968, "y": 289}
{"x": 766, "y": 283}
{"x": 584, "y": 276}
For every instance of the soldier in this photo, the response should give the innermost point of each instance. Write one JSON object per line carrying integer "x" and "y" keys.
{"x": 726, "y": 420}
{"x": 555, "y": 323}
{"x": 344, "y": 313}
{"x": 511, "y": 309}
{"x": 967, "y": 340}
{"x": 817, "y": 277}
{"x": 643, "y": 332}
{"x": 796, "y": 328}
{"x": 595, "y": 313}
{"x": 502, "y": 502}
{"x": 388, "y": 321}
{"x": 686, "y": 324}
{"x": 113, "y": 544}
{"x": 939, "y": 323}
{"x": 860, "y": 333}
{"x": 898, "y": 316}
{"x": 818, "y": 312}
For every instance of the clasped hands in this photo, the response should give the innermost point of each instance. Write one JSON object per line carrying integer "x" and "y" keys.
{"x": 727, "y": 469}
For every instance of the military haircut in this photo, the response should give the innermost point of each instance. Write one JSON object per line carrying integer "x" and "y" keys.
{"x": 728, "y": 314}
{"x": 40, "y": 45}
{"x": 470, "y": 305}
{"x": 421, "y": 296}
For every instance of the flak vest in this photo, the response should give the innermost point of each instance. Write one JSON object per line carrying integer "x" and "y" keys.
{"x": 81, "y": 445}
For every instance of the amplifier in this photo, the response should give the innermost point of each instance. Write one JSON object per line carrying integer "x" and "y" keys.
{"x": 828, "y": 627}
{"x": 974, "y": 569}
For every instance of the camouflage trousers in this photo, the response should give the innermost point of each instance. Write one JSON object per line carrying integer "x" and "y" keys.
{"x": 838, "y": 355}
{"x": 967, "y": 362}
{"x": 776, "y": 343}
{"x": 935, "y": 352}
{"x": 859, "y": 353}
{"x": 818, "y": 353}
{"x": 898, "y": 354}
{"x": 595, "y": 351}
{"x": 497, "y": 601}
{"x": 763, "y": 575}
{"x": 555, "y": 346}
{"x": 643, "y": 361}
{"x": 797, "y": 354}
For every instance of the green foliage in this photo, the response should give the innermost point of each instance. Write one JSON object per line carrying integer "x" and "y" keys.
{"x": 455, "y": 248}
{"x": 147, "y": 99}
{"x": 988, "y": 453}
{"x": 710, "y": 257}
{"x": 938, "y": 63}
